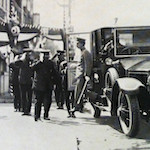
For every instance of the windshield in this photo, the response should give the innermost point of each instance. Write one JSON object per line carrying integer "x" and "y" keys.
{"x": 133, "y": 42}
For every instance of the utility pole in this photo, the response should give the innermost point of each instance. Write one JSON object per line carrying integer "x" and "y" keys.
{"x": 64, "y": 5}
{"x": 69, "y": 16}
{"x": 69, "y": 13}
{"x": 66, "y": 15}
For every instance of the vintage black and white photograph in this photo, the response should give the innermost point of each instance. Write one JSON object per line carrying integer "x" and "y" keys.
{"x": 74, "y": 74}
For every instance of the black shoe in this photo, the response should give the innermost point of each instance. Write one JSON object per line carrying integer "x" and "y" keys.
{"x": 26, "y": 114}
{"x": 46, "y": 118}
{"x": 69, "y": 116}
{"x": 36, "y": 119}
{"x": 81, "y": 110}
{"x": 73, "y": 115}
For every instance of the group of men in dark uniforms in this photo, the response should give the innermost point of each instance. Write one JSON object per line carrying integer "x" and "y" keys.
{"x": 38, "y": 75}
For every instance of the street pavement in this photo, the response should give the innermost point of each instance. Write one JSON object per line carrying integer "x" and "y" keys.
{"x": 19, "y": 132}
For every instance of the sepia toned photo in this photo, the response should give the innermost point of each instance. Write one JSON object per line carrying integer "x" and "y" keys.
{"x": 74, "y": 74}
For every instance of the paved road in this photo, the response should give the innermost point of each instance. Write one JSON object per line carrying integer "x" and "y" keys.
{"x": 61, "y": 133}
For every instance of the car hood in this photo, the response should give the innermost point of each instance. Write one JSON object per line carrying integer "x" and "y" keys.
{"x": 136, "y": 63}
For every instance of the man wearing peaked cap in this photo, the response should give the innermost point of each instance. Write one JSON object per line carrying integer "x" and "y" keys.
{"x": 45, "y": 76}
{"x": 60, "y": 51}
{"x": 25, "y": 80}
{"x": 59, "y": 95}
{"x": 81, "y": 40}
{"x": 83, "y": 73}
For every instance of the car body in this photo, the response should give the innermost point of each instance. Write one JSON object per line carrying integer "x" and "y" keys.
{"x": 121, "y": 58}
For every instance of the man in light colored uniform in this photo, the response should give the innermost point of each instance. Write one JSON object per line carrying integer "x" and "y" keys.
{"x": 83, "y": 73}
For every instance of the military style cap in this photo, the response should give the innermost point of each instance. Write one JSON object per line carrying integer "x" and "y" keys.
{"x": 60, "y": 51}
{"x": 81, "y": 40}
{"x": 27, "y": 50}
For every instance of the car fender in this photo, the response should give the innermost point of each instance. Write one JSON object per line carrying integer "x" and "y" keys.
{"x": 129, "y": 85}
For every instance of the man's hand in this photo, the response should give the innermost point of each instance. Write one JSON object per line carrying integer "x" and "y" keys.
{"x": 41, "y": 57}
{"x": 87, "y": 78}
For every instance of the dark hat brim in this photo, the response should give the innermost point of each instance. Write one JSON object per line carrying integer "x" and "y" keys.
{"x": 80, "y": 40}
{"x": 60, "y": 51}
{"x": 27, "y": 50}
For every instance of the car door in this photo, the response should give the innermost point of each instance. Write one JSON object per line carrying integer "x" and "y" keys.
{"x": 74, "y": 56}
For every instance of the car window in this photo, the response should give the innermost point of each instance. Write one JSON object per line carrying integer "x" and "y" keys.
{"x": 133, "y": 42}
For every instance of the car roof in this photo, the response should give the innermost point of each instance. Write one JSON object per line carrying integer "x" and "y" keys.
{"x": 123, "y": 27}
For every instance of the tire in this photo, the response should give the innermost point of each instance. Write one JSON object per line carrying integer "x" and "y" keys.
{"x": 110, "y": 79}
{"x": 129, "y": 114}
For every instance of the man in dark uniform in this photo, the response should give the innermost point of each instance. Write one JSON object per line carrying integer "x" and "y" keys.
{"x": 67, "y": 95}
{"x": 14, "y": 80}
{"x": 84, "y": 70}
{"x": 59, "y": 95}
{"x": 45, "y": 74}
{"x": 26, "y": 75}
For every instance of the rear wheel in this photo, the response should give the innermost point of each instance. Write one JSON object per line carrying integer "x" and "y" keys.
{"x": 128, "y": 113}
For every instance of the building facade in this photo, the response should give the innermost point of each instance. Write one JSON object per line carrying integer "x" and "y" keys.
{"x": 24, "y": 9}
{"x": 24, "y": 12}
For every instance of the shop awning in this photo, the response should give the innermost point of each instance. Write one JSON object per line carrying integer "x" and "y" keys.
{"x": 28, "y": 32}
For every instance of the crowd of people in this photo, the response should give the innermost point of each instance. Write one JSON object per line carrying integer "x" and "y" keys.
{"x": 35, "y": 74}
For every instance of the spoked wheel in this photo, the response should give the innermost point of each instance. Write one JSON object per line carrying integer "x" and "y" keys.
{"x": 128, "y": 113}
{"x": 110, "y": 79}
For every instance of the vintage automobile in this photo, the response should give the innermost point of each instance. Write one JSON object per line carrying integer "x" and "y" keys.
{"x": 122, "y": 74}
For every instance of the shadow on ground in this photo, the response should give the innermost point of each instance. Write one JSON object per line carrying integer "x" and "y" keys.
{"x": 57, "y": 121}
{"x": 113, "y": 122}
{"x": 3, "y": 117}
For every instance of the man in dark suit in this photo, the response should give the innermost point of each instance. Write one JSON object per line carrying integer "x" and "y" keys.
{"x": 59, "y": 95}
{"x": 14, "y": 81}
{"x": 25, "y": 80}
{"x": 83, "y": 72}
{"x": 45, "y": 76}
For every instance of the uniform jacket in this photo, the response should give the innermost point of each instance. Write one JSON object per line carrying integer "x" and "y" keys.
{"x": 45, "y": 75}
{"x": 14, "y": 77}
{"x": 26, "y": 73}
{"x": 85, "y": 65}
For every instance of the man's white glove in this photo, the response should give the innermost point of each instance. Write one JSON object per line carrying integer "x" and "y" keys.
{"x": 87, "y": 78}
{"x": 41, "y": 57}
{"x": 22, "y": 58}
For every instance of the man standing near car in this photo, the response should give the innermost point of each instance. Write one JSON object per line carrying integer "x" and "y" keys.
{"x": 83, "y": 74}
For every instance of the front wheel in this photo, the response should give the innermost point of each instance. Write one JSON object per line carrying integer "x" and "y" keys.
{"x": 128, "y": 113}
